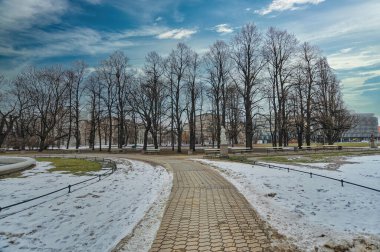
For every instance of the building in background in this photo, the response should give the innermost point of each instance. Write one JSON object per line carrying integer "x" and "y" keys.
{"x": 367, "y": 124}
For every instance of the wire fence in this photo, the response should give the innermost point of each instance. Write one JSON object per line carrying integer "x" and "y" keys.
{"x": 105, "y": 162}
{"x": 311, "y": 174}
{"x": 317, "y": 150}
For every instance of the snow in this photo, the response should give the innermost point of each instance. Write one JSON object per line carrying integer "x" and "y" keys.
{"x": 313, "y": 211}
{"x": 94, "y": 217}
{"x": 9, "y": 164}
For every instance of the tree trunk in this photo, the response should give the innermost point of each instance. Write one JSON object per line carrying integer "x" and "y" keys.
{"x": 145, "y": 139}
{"x": 77, "y": 132}
{"x": 42, "y": 144}
{"x": 179, "y": 140}
{"x": 218, "y": 123}
{"x": 110, "y": 131}
{"x": 248, "y": 127}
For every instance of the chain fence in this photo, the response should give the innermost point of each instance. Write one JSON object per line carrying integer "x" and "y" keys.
{"x": 105, "y": 163}
{"x": 311, "y": 174}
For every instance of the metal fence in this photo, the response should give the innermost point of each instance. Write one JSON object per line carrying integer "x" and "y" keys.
{"x": 311, "y": 174}
{"x": 69, "y": 187}
{"x": 317, "y": 150}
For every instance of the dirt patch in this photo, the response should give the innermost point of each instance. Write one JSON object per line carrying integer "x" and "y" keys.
{"x": 357, "y": 245}
{"x": 332, "y": 163}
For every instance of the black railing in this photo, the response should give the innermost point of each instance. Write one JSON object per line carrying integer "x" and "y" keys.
{"x": 318, "y": 149}
{"x": 107, "y": 173}
{"x": 342, "y": 182}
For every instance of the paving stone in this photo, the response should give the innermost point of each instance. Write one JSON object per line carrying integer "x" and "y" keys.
{"x": 206, "y": 213}
{"x": 179, "y": 247}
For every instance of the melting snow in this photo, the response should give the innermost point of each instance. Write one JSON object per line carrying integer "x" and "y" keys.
{"x": 312, "y": 211}
{"x": 94, "y": 217}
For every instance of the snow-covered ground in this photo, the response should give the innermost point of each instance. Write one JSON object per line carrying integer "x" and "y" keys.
{"x": 313, "y": 211}
{"x": 94, "y": 217}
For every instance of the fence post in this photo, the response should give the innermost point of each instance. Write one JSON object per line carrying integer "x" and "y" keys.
{"x": 69, "y": 188}
{"x": 311, "y": 174}
{"x": 341, "y": 182}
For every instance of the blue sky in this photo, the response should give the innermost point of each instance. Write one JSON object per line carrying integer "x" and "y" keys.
{"x": 60, "y": 31}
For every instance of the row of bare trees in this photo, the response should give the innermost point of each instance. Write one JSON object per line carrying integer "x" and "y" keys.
{"x": 43, "y": 105}
{"x": 254, "y": 76}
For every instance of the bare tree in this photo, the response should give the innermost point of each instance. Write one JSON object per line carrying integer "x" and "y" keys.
{"x": 140, "y": 97}
{"x": 334, "y": 119}
{"x": 178, "y": 64}
{"x": 218, "y": 68}
{"x": 24, "y": 109}
{"x": 246, "y": 54}
{"x": 298, "y": 106}
{"x": 107, "y": 72}
{"x": 201, "y": 114}
{"x": 154, "y": 71}
{"x": 122, "y": 78}
{"x": 279, "y": 51}
{"x": 170, "y": 78}
{"x": 193, "y": 93}
{"x": 93, "y": 91}
{"x": 7, "y": 111}
{"x": 308, "y": 60}
{"x": 233, "y": 113}
{"x": 74, "y": 78}
{"x": 48, "y": 94}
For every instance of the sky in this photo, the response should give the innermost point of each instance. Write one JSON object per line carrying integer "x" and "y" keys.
{"x": 43, "y": 32}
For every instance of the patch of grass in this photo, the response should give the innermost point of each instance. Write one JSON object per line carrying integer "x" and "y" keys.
{"x": 315, "y": 157}
{"x": 344, "y": 144}
{"x": 72, "y": 165}
{"x": 17, "y": 174}
{"x": 240, "y": 159}
{"x": 353, "y": 144}
{"x": 342, "y": 153}
{"x": 285, "y": 159}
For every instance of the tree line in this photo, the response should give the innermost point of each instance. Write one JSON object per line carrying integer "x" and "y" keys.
{"x": 254, "y": 80}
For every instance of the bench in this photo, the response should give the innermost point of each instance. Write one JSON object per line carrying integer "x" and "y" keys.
{"x": 151, "y": 151}
{"x": 332, "y": 147}
{"x": 309, "y": 148}
{"x": 275, "y": 148}
{"x": 212, "y": 151}
{"x": 240, "y": 150}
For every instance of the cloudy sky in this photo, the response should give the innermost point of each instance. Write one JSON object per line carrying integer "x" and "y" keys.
{"x": 60, "y": 31}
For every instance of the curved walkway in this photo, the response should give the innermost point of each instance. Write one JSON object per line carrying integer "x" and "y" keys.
{"x": 207, "y": 213}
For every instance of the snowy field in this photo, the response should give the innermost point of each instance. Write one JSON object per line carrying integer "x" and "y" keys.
{"x": 94, "y": 217}
{"x": 314, "y": 212}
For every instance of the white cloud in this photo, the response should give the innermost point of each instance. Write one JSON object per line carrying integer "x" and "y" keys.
{"x": 158, "y": 19}
{"x": 146, "y": 10}
{"x": 93, "y": 1}
{"x": 347, "y": 59}
{"x": 76, "y": 41}
{"x": 349, "y": 26}
{"x": 143, "y": 31}
{"x": 223, "y": 28}
{"x": 283, "y": 5}
{"x": 21, "y": 14}
{"x": 345, "y": 50}
{"x": 177, "y": 34}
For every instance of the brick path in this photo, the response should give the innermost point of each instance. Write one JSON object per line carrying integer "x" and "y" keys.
{"x": 206, "y": 213}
